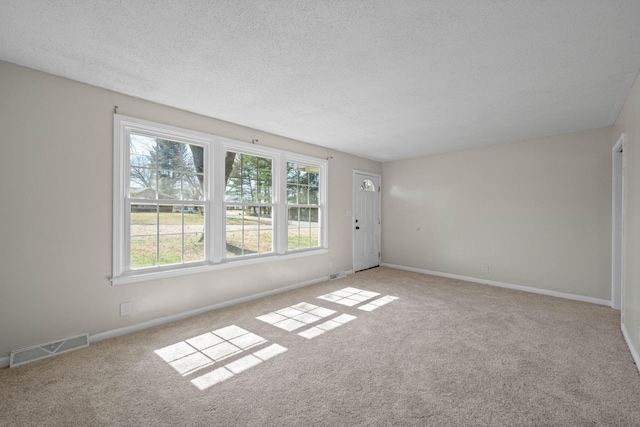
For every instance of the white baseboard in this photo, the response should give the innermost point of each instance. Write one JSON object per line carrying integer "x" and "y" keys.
{"x": 504, "y": 285}
{"x": 632, "y": 349}
{"x": 186, "y": 314}
{"x": 4, "y": 361}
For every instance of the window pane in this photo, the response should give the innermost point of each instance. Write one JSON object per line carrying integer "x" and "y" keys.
{"x": 192, "y": 187}
{"x": 303, "y": 176}
{"x": 170, "y": 249}
{"x": 292, "y": 173}
{"x": 143, "y": 251}
{"x": 194, "y": 158}
{"x": 266, "y": 241}
{"x": 143, "y": 220}
{"x": 265, "y": 180}
{"x": 234, "y": 176}
{"x": 193, "y": 247}
{"x": 142, "y": 183}
{"x": 308, "y": 182}
{"x": 294, "y": 216}
{"x": 303, "y": 195}
{"x": 304, "y": 241}
{"x": 168, "y": 184}
{"x": 314, "y": 216}
{"x": 171, "y": 155}
{"x": 294, "y": 228}
{"x": 250, "y": 190}
{"x": 313, "y": 195}
{"x": 234, "y": 223}
{"x": 314, "y": 177}
{"x": 265, "y": 229}
{"x": 170, "y": 219}
{"x": 303, "y": 228}
{"x": 251, "y": 238}
{"x": 292, "y": 194}
{"x": 265, "y": 194}
{"x": 193, "y": 219}
{"x": 249, "y": 179}
{"x": 142, "y": 151}
{"x": 367, "y": 185}
{"x": 249, "y": 230}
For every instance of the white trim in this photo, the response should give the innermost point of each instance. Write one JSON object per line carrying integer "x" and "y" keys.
{"x": 215, "y": 148}
{"x": 632, "y": 349}
{"x": 186, "y": 314}
{"x": 504, "y": 285}
{"x": 617, "y": 225}
{"x": 4, "y": 361}
{"x": 123, "y": 126}
{"x": 231, "y": 263}
{"x": 323, "y": 202}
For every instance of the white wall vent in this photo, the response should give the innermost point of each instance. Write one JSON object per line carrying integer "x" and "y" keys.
{"x": 340, "y": 275}
{"x": 37, "y": 352}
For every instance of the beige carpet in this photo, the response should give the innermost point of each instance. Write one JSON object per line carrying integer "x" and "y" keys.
{"x": 445, "y": 352}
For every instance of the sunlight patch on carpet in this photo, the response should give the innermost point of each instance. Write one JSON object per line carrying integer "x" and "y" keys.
{"x": 229, "y": 370}
{"x": 349, "y": 296}
{"x": 327, "y": 326}
{"x": 377, "y": 303}
{"x": 202, "y": 351}
{"x": 296, "y": 316}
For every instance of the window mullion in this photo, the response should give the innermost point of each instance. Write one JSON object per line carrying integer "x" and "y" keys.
{"x": 281, "y": 212}
{"x": 218, "y": 214}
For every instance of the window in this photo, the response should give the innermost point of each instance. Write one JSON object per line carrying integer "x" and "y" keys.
{"x": 166, "y": 202}
{"x": 368, "y": 185}
{"x": 248, "y": 205}
{"x": 303, "y": 206}
{"x": 186, "y": 201}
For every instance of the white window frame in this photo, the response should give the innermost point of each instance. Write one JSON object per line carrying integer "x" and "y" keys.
{"x": 214, "y": 194}
{"x": 275, "y": 164}
{"x": 322, "y": 201}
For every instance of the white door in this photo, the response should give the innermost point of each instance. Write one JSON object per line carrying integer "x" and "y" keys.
{"x": 366, "y": 221}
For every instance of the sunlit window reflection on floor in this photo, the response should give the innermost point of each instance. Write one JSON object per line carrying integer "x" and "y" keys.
{"x": 296, "y": 316}
{"x": 349, "y": 296}
{"x": 378, "y": 303}
{"x": 207, "y": 380}
{"x": 200, "y": 352}
{"x": 197, "y": 354}
{"x": 327, "y": 326}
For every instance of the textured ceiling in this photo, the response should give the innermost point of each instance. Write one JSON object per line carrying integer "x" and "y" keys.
{"x": 381, "y": 79}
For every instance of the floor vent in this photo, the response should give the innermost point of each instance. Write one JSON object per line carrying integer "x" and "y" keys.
{"x": 30, "y": 354}
{"x": 340, "y": 275}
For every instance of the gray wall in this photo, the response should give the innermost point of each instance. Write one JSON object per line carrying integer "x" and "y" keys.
{"x": 56, "y": 145}
{"x": 537, "y": 212}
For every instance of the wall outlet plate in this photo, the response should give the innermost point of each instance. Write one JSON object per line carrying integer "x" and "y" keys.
{"x": 485, "y": 268}
{"x": 125, "y": 309}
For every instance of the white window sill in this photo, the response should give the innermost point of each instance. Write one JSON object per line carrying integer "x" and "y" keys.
{"x": 183, "y": 270}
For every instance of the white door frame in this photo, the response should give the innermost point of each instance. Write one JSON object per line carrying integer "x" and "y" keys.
{"x": 617, "y": 222}
{"x": 353, "y": 226}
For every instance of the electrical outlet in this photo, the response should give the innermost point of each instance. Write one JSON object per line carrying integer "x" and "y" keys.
{"x": 330, "y": 265}
{"x": 485, "y": 268}
{"x": 125, "y": 309}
